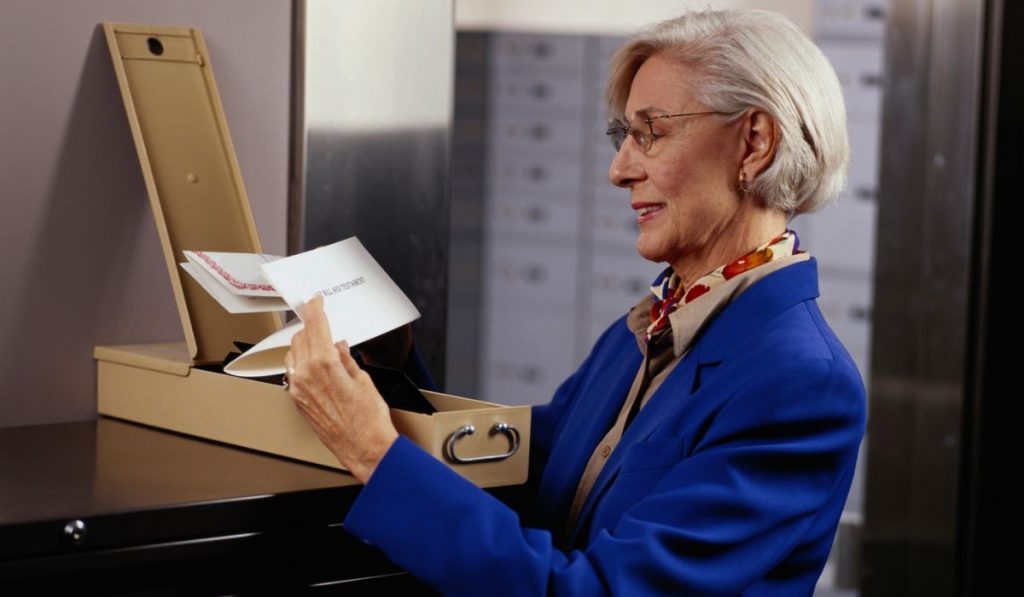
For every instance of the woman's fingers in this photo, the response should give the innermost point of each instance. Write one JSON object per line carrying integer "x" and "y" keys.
{"x": 314, "y": 323}
{"x": 306, "y": 309}
{"x": 335, "y": 396}
{"x": 349, "y": 363}
{"x": 320, "y": 348}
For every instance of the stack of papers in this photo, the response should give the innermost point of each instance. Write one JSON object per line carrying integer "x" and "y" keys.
{"x": 360, "y": 299}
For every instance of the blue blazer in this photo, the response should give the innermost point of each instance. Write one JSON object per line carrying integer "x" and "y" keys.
{"x": 730, "y": 480}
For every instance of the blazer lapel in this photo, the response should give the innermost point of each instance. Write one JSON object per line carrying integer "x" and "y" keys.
{"x": 671, "y": 395}
{"x": 585, "y": 429}
{"x": 752, "y": 309}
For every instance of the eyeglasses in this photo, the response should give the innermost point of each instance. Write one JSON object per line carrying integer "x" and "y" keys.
{"x": 643, "y": 136}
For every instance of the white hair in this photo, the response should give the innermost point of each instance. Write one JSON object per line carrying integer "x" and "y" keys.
{"x": 753, "y": 58}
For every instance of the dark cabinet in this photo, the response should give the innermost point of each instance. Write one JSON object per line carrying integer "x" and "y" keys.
{"x": 108, "y": 507}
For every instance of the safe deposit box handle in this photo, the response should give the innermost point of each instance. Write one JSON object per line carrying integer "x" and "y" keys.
{"x": 511, "y": 432}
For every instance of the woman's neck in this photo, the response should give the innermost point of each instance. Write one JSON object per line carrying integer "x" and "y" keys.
{"x": 751, "y": 227}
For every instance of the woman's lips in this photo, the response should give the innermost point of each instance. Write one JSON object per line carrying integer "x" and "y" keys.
{"x": 647, "y": 211}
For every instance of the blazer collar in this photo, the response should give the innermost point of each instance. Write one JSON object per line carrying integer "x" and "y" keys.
{"x": 755, "y": 308}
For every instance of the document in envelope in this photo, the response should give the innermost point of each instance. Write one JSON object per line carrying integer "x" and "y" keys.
{"x": 235, "y": 280}
{"x": 360, "y": 299}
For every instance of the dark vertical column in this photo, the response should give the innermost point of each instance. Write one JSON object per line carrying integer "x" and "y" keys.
{"x": 989, "y": 522}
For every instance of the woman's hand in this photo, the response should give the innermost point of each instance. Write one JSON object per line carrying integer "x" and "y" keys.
{"x": 337, "y": 398}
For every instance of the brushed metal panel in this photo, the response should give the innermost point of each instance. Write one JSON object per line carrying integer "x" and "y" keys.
{"x": 373, "y": 115}
{"x": 925, "y": 224}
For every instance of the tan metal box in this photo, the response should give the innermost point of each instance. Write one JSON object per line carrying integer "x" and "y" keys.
{"x": 199, "y": 202}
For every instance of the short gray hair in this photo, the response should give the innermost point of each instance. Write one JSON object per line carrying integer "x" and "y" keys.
{"x": 746, "y": 58}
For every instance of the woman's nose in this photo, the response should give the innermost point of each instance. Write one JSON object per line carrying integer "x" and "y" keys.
{"x": 625, "y": 170}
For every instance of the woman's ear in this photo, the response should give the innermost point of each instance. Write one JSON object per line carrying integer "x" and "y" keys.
{"x": 760, "y": 140}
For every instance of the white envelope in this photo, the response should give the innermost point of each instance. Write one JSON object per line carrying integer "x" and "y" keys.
{"x": 360, "y": 299}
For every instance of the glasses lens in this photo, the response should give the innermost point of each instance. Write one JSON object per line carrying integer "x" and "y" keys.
{"x": 641, "y": 138}
{"x": 617, "y": 132}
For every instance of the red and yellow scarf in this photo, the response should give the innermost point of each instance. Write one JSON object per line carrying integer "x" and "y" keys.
{"x": 669, "y": 293}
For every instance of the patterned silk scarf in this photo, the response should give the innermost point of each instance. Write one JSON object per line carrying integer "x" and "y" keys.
{"x": 669, "y": 293}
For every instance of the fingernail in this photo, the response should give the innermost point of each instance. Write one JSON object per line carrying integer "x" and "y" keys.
{"x": 306, "y": 306}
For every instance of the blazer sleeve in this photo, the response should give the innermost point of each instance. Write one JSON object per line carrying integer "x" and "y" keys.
{"x": 780, "y": 448}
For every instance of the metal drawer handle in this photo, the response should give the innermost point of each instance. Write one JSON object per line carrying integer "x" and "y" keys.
{"x": 511, "y": 432}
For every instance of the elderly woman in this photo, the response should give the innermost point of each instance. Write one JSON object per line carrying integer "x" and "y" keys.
{"x": 707, "y": 444}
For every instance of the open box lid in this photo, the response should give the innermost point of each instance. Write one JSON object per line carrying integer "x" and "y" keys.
{"x": 191, "y": 172}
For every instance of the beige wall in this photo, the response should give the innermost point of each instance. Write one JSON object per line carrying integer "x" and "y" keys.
{"x": 601, "y": 16}
{"x": 80, "y": 261}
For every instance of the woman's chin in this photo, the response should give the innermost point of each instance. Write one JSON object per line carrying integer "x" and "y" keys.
{"x": 651, "y": 253}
